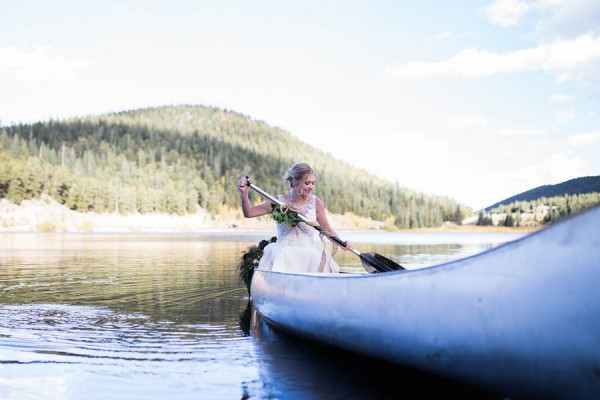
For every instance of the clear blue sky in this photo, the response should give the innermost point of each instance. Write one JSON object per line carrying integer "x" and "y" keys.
{"x": 477, "y": 100}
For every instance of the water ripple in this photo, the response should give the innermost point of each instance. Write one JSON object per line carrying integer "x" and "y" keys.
{"x": 74, "y": 334}
{"x": 148, "y": 317}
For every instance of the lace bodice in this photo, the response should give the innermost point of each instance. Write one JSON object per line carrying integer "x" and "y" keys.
{"x": 302, "y": 234}
{"x": 298, "y": 249}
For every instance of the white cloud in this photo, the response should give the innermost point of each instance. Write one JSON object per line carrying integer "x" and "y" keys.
{"x": 556, "y": 168}
{"x": 522, "y": 131}
{"x": 460, "y": 121}
{"x": 561, "y": 167}
{"x": 564, "y": 116}
{"x": 562, "y": 58}
{"x": 567, "y": 18}
{"x": 444, "y": 35}
{"x": 38, "y": 65}
{"x": 506, "y": 12}
{"x": 554, "y": 18}
{"x": 562, "y": 98}
{"x": 583, "y": 139}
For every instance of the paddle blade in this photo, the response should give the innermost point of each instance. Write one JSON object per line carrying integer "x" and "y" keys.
{"x": 374, "y": 262}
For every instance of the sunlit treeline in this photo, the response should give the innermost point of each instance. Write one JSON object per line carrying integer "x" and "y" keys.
{"x": 174, "y": 159}
{"x": 544, "y": 210}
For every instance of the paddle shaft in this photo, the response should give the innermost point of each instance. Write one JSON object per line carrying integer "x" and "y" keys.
{"x": 302, "y": 217}
{"x": 372, "y": 262}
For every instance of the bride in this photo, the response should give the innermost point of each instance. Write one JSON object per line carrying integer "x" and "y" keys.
{"x": 298, "y": 249}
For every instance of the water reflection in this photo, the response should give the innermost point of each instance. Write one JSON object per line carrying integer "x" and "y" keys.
{"x": 295, "y": 368}
{"x": 169, "y": 279}
{"x": 96, "y": 352}
{"x": 414, "y": 256}
{"x": 149, "y": 316}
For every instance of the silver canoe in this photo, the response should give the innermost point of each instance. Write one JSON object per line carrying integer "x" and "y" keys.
{"x": 522, "y": 319}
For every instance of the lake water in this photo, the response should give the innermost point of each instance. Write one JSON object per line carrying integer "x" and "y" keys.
{"x": 95, "y": 316}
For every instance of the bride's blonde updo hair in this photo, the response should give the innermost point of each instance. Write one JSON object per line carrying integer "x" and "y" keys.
{"x": 299, "y": 172}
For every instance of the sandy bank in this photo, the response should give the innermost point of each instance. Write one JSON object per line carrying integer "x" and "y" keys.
{"x": 46, "y": 215}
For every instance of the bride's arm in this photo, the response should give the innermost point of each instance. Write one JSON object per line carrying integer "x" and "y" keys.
{"x": 322, "y": 216}
{"x": 324, "y": 222}
{"x": 248, "y": 209}
{"x": 251, "y": 211}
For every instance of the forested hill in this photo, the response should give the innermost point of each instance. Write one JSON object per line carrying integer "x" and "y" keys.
{"x": 172, "y": 159}
{"x": 577, "y": 186}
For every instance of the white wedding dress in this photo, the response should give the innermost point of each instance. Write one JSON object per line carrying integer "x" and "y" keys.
{"x": 298, "y": 249}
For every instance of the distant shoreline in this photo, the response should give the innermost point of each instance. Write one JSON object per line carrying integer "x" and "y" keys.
{"x": 47, "y": 215}
{"x": 478, "y": 229}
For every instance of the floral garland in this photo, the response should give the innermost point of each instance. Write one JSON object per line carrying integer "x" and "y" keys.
{"x": 250, "y": 260}
{"x": 285, "y": 214}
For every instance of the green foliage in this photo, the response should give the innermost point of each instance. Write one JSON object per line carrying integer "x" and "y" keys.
{"x": 287, "y": 216}
{"x": 483, "y": 220}
{"x": 174, "y": 159}
{"x": 558, "y": 207}
{"x": 249, "y": 261}
{"x": 577, "y": 186}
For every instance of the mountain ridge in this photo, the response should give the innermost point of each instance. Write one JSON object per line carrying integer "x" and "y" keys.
{"x": 575, "y": 186}
{"x": 175, "y": 158}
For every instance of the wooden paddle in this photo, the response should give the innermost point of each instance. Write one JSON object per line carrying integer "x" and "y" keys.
{"x": 372, "y": 262}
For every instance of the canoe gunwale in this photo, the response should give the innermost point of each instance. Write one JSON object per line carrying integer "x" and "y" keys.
{"x": 509, "y": 318}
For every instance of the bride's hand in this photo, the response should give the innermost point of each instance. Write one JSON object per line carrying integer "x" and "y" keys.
{"x": 242, "y": 184}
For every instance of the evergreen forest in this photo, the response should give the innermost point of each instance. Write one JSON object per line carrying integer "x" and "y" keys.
{"x": 561, "y": 199}
{"x": 576, "y": 186}
{"x": 558, "y": 207}
{"x": 174, "y": 159}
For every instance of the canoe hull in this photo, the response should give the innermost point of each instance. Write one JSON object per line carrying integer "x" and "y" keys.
{"x": 522, "y": 319}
